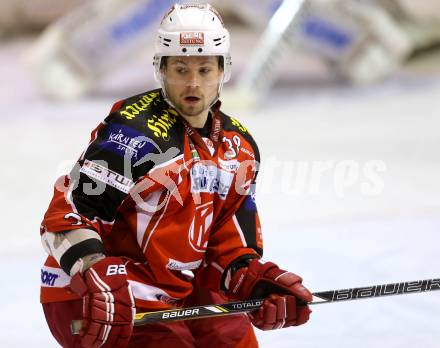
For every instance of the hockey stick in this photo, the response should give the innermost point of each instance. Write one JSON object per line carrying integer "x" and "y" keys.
{"x": 208, "y": 311}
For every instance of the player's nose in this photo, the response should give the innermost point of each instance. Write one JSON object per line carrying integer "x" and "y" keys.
{"x": 193, "y": 80}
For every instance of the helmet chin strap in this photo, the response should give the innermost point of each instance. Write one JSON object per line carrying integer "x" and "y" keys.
{"x": 165, "y": 94}
{"x": 219, "y": 90}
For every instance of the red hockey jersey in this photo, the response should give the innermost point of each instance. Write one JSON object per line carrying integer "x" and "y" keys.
{"x": 165, "y": 198}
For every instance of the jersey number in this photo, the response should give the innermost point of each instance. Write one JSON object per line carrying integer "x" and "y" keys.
{"x": 232, "y": 152}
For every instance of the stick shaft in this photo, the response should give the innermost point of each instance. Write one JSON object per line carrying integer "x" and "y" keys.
{"x": 331, "y": 296}
{"x": 197, "y": 312}
{"x": 403, "y": 288}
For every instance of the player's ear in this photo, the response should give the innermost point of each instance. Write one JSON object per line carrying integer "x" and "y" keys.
{"x": 163, "y": 63}
{"x": 221, "y": 63}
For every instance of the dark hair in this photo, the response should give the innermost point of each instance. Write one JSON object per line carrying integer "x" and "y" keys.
{"x": 164, "y": 60}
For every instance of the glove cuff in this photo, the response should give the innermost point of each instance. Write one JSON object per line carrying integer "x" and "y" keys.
{"x": 78, "y": 285}
{"x": 240, "y": 262}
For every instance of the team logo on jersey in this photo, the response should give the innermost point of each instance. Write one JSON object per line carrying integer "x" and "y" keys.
{"x": 198, "y": 233}
{"x": 192, "y": 38}
{"x": 210, "y": 179}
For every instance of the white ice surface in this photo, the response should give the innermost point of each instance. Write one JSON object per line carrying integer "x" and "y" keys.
{"x": 333, "y": 240}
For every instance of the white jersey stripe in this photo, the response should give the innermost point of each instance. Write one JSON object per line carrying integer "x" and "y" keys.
{"x": 147, "y": 292}
{"x": 240, "y": 232}
{"x": 144, "y": 217}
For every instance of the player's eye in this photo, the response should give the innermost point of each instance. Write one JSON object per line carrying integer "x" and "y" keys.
{"x": 181, "y": 70}
{"x": 205, "y": 71}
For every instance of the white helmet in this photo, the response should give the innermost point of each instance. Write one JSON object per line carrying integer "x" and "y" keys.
{"x": 192, "y": 30}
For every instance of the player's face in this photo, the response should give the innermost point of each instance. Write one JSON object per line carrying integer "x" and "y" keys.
{"x": 192, "y": 83}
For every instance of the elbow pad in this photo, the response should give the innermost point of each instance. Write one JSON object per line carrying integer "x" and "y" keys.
{"x": 72, "y": 248}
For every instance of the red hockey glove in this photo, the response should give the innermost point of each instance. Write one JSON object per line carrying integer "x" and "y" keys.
{"x": 285, "y": 297}
{"x": 108, "y": 304}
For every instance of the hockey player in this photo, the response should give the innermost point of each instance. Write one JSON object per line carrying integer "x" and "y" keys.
{"x": 159, "y": 211}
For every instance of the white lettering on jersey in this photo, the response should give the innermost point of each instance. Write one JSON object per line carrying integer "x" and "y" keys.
{"x": 183, "y": 266}
{"x": 106, "y": 176}
{"x": 230, "y": 166}
{"x": 54, "y": 277}
{"x": 210, "y": 179}
{"x": 115, "y": 270}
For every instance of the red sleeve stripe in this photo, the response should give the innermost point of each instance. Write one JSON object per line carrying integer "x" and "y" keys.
{"x": 116, "y": 106}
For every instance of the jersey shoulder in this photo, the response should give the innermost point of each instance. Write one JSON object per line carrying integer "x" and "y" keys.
{"x": 137, "y": 106}
{"x": 148, "y": 114}
{"x": 143, "y": 129}
{"x": 233, "y": 125}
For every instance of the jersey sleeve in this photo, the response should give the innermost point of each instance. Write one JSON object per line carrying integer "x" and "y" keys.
{"x": 237, "y": 232}
{"x": 90, "y": 195}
